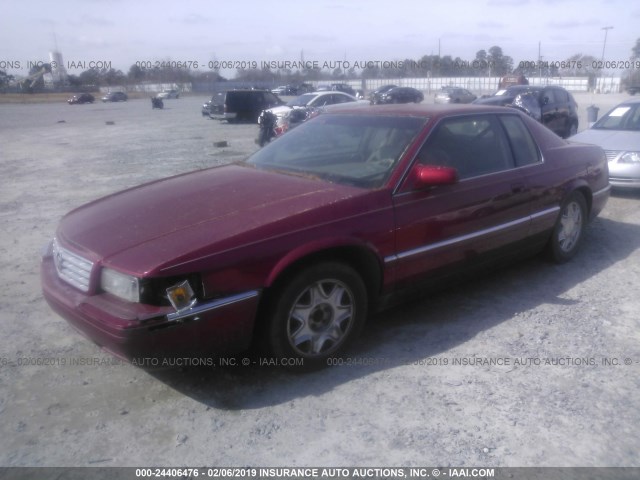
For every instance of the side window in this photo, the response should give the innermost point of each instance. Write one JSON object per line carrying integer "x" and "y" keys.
{"x": 525, "y": 151}
{"x": 550, "y": 95}
{"x": 270, "y": 98}
{"x": 473, "y": 145}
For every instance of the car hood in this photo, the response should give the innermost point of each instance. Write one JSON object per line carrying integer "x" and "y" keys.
{"x": 280, "y": 110}
{"x": 158, "y": 225}
{"x": 610, "y": 139}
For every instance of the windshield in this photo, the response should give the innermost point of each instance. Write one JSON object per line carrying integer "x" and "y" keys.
{"x": 302, "y": 100}
{"x": 353, "y": 150}
{"x": 623, "y": 117}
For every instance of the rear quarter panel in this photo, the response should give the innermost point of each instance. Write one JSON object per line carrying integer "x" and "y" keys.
{"x": 566, "y": 167}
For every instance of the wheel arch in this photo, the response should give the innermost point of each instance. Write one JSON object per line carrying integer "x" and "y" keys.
{"x": 362, "y": 258}
{"x": 584, "y": 190}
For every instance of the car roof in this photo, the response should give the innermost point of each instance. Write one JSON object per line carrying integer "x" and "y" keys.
{"x": 532, "y": 87}
{"x": 322, "y": 93}
{"x": 418, "y": 109}
{"x": 630, "y": 101}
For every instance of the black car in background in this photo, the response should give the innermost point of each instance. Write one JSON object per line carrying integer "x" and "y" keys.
{"x": 115, "y": 97}
{"x": 550, "y": 105}
{"x": 81, "y": 98}
{"x": 451, "y": 94}
{"x": 375, "y": 96}
{"x": 401, "y": 95}
{"x": 291, "y": 89}
{"x": 343, "y": 87}
{"x": 242, "y": 105}
{"x": 215, "y": 106}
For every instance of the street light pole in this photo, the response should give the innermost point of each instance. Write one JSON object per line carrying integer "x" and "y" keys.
{"x": 606, "y": 30}
{"x": 604, "y": 45}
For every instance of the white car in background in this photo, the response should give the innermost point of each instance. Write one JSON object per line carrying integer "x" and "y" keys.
{"x": 307, "y": 102}
{"x": 169, "y": 94}
{"x": 618, "y": 134}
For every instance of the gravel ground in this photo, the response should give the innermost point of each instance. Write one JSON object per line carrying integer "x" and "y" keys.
{"x": 534, "y": 365}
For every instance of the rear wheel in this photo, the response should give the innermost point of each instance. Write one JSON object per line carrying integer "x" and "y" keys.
{"x": 316, "y": 315}
{"x": 569, "y": 229}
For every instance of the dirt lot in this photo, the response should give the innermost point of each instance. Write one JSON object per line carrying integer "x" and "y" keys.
{"x": 562, "y": 390}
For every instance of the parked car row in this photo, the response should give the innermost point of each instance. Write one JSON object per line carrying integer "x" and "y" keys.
{"x": 552, "y": 106}
{"x": 82, "y": 98}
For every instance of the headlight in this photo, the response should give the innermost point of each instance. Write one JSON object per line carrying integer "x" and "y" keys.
{"x": 121, "y": 285}
{"x": 630, "y": 157}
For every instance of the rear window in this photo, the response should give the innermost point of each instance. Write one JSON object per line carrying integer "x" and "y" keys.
{"x": 524, "y": 149}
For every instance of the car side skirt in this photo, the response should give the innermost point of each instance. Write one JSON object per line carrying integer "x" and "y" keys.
{"x": 550, "y": 212}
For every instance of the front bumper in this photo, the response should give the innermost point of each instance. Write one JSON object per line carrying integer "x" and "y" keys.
{"x": 149, "y": 335}
{"x": 624, "y": 176}
{"x": 631, "y": 183}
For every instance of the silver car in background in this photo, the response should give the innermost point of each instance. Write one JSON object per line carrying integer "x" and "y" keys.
{"x": 454, "y": 95}
{"x": 618, "y": 133}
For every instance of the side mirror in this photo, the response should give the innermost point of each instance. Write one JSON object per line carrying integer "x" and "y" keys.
{"x": 423, "y": 176}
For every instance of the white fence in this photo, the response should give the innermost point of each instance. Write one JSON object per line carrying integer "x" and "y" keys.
{"x": 428, "y": 85}
{"x": 483, "y": 84}
{"x": 150, "y": 88}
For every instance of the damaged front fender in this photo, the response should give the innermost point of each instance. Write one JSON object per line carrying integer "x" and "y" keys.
{"x": 530, "y": 104}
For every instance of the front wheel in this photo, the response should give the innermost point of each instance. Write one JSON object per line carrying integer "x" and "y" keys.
{"x": 316, "y": 315}
{"x": 569, "y": 229}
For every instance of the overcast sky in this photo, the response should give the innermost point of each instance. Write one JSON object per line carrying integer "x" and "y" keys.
{"x": 122, "y": 32}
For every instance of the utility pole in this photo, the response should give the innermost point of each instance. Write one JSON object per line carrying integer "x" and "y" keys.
{"x": 604, "y": 45}
{"x": 606, "y": 30}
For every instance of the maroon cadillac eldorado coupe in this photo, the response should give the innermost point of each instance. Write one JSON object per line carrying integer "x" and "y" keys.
{"x": 290, "y": 248}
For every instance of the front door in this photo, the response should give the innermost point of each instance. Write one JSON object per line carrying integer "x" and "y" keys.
{"x": 488, "y": 208}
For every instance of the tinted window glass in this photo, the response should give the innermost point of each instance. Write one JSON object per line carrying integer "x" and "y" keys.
{"x": 270, "y": 98}
{"x": 353, "y": 150}
{"x": 473, "y": 145}
{"x": 523, "y": 147}
{"x": 550, "y": 95}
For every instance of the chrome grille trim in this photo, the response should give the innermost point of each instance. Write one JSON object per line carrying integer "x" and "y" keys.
{"x": 72, "y": 268}
{"x": 611, "y": 155}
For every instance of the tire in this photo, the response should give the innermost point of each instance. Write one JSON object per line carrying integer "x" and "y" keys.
{"x": 569, "y": 228}
{"x": 316, "y": 315}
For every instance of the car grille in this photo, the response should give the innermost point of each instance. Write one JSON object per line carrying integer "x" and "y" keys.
{"x": 611, "y": 155}
{"x": 72, "y": 268}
